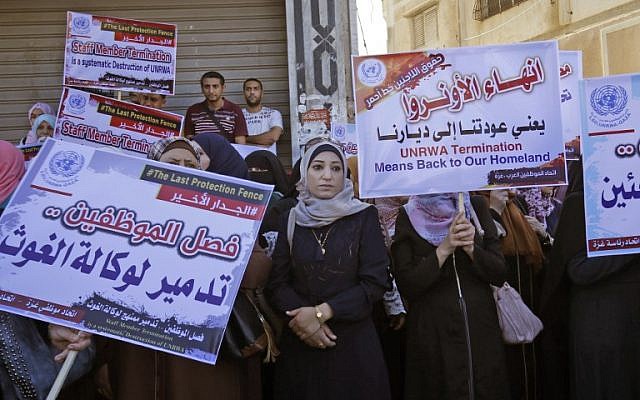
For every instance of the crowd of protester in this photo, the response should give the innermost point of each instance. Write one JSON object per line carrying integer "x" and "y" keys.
{"x": 383, "y": 298}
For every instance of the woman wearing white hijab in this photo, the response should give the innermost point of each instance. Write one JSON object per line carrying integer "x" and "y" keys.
{"x": 444, "y": 261}
{"x": 35, "y": 111}
{"x": 326, "y": 283}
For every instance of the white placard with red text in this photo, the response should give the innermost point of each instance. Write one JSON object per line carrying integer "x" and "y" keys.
{"x": 99, "y": 121}
{"x": 459, "y": 119}
{"x": 122, "y": 54}
{"x": 570, "y": 76}
{"x": 138, "y": 250}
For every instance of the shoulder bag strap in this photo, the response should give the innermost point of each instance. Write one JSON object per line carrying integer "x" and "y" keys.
{"x": 216, "y": 121}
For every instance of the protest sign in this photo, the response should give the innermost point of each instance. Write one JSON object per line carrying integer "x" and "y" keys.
{"x": 100, "y": 121}
{"x": 611, "y": 163}
{"x": 29, "y": 151}
{"x": 459, "y": 119}
{"x": 157, "y": 262}
{"x": 570, "y": 76}
{"x": 122, "y": 54}
{"x": 347, "y": 136}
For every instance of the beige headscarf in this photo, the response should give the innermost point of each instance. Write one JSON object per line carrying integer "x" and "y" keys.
{"x": 313, "y": 212}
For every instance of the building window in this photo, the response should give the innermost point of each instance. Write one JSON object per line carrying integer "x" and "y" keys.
{"x": 484, "y": 9}
{"x": 425, "y": 29}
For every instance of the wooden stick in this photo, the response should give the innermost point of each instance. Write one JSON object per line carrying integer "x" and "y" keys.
{"x": 62, "y": 375}
{"x": 460, "y": 202}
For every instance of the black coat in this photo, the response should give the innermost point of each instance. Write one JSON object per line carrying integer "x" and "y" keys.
{"x": 350, "y": 277}
{"x": 437, "y": 347}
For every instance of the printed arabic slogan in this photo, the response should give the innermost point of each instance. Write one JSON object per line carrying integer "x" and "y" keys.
{"x": 122, "y": 54}
{"x": 459, "y": 119}
{"x": 570, "y": 76}
{"x": 100, "y": 121}
{"x": 156, "y": 263}
{"x": 611, "y": 163}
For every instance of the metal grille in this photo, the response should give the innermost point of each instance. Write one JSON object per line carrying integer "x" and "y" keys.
{"x": 484, "y": 9}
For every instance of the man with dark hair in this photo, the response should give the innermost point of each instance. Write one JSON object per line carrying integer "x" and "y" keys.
{"x": 263, "y": 123}
{"x": 215, "y": 114}
{"x": 154, "y": 100}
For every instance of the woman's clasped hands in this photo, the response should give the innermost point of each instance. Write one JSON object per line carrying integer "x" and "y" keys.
{"x": 311, "y": 329}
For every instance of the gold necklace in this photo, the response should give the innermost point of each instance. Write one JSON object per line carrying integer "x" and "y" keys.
{"x": 322, "y": 241}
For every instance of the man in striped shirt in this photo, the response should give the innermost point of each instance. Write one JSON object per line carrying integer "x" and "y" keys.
{"x": 215, "y": 114}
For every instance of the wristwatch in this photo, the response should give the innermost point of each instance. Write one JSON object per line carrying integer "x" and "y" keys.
{"x": 319, "y": 314}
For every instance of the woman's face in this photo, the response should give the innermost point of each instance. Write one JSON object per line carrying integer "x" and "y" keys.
{"x": 498, "y": 199}
{"x": 35, "y": 114}
{"x": 325, "y": 176}
{"x": 44, "y": 130}
{"x": 180, "y": 156}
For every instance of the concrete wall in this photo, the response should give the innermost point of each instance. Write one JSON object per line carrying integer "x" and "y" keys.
{"x": 605, "y": 30}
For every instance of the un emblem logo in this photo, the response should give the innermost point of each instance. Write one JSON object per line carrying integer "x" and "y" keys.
{"x": 609, "y": 106}
{"x": 609, "y": 100}
{"x": 76, "y": 103}
{"x": 81, "y": 24}
{"x": 339, "y": 132}
{"x": 66, "y": 164}
{"x": 372, "y": 72}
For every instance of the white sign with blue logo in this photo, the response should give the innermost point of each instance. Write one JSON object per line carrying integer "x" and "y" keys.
{"x": 130, "y": 248}
{"x": 611, "y": 163}
{"x": 116, "y": 53}
{"x": 459, "y": 119}
{"x": 99, "y": 121}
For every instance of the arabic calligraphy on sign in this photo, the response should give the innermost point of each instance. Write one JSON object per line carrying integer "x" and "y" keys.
{"x": 457, "y": 128}
{"x": 467, "y": 88}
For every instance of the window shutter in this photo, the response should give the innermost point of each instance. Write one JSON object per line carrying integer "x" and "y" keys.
{"x": 425, "y": 29}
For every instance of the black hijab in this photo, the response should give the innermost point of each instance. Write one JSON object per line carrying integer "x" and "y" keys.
{"x": 271, "y": 170}
{"x": 225, "y": 160}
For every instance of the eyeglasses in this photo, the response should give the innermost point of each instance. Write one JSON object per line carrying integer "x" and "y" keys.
{"x": 322, "y": 139}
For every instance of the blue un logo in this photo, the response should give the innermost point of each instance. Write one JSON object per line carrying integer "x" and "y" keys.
{"x": 76, "y": 103}
{"x": 66, "y": 164}
{"x": 81, "y": 24}
{"x": 372, "y": 72}
{"x": 609, "y": 100}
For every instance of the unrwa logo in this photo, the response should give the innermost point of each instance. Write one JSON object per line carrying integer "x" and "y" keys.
{"x": 76, "y": 103}
{"x": 63, "y": 168}
{"x": 609, "y": 105}
{"x": 372, "y": 72}
{"x": 339, "y": 132}
{"x": 609, "y": 99}
{"x": 66, "y": 163}
{"x": 80, "y": 24}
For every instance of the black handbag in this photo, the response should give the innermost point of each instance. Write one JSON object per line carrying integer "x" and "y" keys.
{"x": 248, "y": 331}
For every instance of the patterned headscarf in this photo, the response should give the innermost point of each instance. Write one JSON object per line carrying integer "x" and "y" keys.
{"x": 314, "y": 212}
{"x": 11, "y": 169}
{"x": 432, "y": 214}
{"x": 388, "y": 209}
{"x": 164, "y": 145}
{"x": 539, "y": 206}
